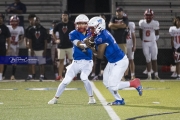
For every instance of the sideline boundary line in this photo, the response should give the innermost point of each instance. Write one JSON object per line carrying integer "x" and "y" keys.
{"x": 103, "y": 101}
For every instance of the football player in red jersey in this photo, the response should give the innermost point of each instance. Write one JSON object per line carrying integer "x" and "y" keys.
{"x": 17, "y": 36}
{"x": 149, "y": 34}
{"x": 175, "y": 43}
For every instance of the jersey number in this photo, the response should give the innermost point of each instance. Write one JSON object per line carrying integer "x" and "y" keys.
{"x": 13, "y": 38}
{"x": 128, "y": 36}
{"x": 178, "y": 39}
{"x": 148, "y": 33}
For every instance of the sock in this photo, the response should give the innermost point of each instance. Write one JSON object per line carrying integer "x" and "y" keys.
{"x": 4, "y": 70}
{"x": 30, "y": 76}
{"x": 88, "y": 87}
{"x": 122, "y": 85}
{"x": 41, "y": 75}
{"x": 179, "y": 76}
{"x": 13, "y": 69}
{"x": 132, "y": 74}
{"x": 56, "y": 75}
{"x": 0, "y": 76}
{"x": 156, "y": 73}
{"x": 60, "y": 89}
{"x": 115, "y": 94}
{"x": 149, "y": 74}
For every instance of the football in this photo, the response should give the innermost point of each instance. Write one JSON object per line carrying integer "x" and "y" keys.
{"x": 91, "y": 41}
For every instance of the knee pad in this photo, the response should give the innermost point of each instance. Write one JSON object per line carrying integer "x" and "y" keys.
{"x": 148, "y": 60}
{"x": 114, "y": 88}
{"x": 67, "y": 80}
{"x": 83, "y": 76}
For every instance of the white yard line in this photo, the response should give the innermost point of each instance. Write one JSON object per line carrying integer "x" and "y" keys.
{"x": 103, "y": 101}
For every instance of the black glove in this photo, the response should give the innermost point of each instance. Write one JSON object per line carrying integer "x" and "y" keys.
{"x": 178, "y": 50}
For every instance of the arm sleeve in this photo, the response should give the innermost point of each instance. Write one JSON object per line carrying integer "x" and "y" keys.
{"x": 22, "y": 31}
{"x": 140, "y": 24}
{"x": 72, "y": 36}
{"x": 132, "y": 27}
{"x": 156, "y": 25}
{"x": 171, "y": 31}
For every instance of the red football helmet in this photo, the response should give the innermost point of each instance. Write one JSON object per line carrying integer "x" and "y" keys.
{"x": 148, "y": 15}
{"x": 14, "y": 21}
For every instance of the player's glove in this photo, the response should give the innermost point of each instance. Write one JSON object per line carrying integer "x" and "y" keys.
{"x": 178, "y": 50}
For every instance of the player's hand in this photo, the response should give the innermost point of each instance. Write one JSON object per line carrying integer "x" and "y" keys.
{"x": 32, "y": 52}
{"x": 89, "y": 41}
{"x": 27, "y": 46}
{"x": 57, "y": 41}
{"x": 44, "y": 53}
{"x": 7, "y": 51}
{"x": 133, "y": 49}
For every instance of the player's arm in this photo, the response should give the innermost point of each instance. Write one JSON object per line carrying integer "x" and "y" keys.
{"x": 8, "y": 40}
{"x": 100, "y": 52}
{"x": 172, "y": 38}
{"x": 156, "y": 27}
{"x": 57, "y": 40}
{"x": 134, "y": 41}
{"x": 112, "y": 26}
{"x": 157, "y": 34}
{"x": 140, "y": 34}
{"x": 79, "y": 44}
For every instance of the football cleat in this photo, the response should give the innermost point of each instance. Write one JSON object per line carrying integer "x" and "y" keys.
{"x": 117, "y": 102}
{"x": 92, "y": 100}
{"x": 41, "y": 79}
{"x": 95, "y": 78}
{"x": 174, "y": 75}
{"x": 12, "y": 77}
{"x": 53, "y": 101}
{"x": 140, "y": 90}
{"x": 132, "y": 77}
{"x": 59, "y": 78}
{"x": 149, "y": 78}
{"x": 157, "y": 78}
{"x": 28, "y": 78}
{"x": 136, "y": 83}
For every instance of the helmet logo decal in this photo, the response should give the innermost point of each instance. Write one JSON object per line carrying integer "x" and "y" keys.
{"x": 99, "y": 21}
{"x": 37, "y": 34}
{"x": 64, "y": 29}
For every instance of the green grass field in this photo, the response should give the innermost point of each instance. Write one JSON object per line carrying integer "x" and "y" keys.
{"x": 160, "y": 101}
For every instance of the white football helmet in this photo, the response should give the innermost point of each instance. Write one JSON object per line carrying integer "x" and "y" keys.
{"x": 97, "y": 23}
{"x": 81, "y": 19}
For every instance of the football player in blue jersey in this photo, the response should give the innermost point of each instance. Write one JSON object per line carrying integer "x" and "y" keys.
{"x": 105, "y": 45}
{"x": 82, "y": 60}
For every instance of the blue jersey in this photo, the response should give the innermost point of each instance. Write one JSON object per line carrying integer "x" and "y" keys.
{"x": 112, "y": 52}
{"x": 78, "y": 53}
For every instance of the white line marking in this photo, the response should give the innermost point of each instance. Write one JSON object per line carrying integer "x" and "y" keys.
{"x": 103, "y": 101}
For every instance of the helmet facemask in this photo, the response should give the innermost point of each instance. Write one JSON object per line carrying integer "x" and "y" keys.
{"x": 148, "y": 15}
{"x": 81, "y": 23}
{"x": 14, "y": 21}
